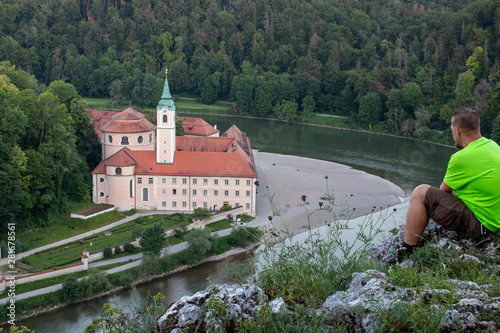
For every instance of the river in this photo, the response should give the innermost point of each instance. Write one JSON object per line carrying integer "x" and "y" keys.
{"x": 405, "y": 162}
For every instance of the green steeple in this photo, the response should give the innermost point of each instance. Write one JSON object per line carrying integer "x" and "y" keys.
{"x": 166, "y": 98}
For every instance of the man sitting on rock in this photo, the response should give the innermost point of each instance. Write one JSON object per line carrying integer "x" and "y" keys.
{"x": 468, "y": 200}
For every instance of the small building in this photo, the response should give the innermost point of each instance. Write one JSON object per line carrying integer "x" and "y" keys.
{"x": 147, "y": 167}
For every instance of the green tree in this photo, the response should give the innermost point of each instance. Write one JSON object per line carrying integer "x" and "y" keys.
{"x": 179, "y": 128}
{"x": 286, "y": 111}
{"x": 152, "y": 240}
{"x": 464, "y": 88}
{"x": 199, "y": 243}
{"x": 370, "y": 108}
{"x": 495, "y": 133}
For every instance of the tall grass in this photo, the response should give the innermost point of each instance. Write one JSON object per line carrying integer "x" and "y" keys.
{"x": 307, "y": 272}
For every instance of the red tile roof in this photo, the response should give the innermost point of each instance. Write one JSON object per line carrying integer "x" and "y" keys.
{"x": 197, "y": 127}
{"x": 121, "y": 158}
{"x": 128, "y": 121}
{"x": 202, "y": 144}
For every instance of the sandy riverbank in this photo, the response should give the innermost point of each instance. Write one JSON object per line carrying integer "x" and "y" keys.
{"x": 287, "y": 178}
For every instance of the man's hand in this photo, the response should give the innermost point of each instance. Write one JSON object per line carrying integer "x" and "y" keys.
{"x": 445, "y": 187}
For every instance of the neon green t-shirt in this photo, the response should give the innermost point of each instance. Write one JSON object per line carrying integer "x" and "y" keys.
{"x": 474, "y": 174}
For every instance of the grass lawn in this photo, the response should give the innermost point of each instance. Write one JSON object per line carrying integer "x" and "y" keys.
{"x": 24, "y": 288}
{"x": 71, "y": 253}
{"x": 186, "y": 105}
{"x": 43, "y": 236}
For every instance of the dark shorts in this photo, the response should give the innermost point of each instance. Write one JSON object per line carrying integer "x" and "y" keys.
{"x": 450, "y": 212}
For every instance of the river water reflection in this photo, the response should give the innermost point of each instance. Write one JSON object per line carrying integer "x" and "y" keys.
{"x": 405, "y": 162}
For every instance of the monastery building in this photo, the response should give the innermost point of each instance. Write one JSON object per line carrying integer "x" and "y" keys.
{"x": 147, "y": 167}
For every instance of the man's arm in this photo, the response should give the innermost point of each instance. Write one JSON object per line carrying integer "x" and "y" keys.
{"x": 445, "y": 187}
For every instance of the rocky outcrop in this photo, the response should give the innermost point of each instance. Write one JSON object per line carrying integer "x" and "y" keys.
{"x": 368, "y": 295}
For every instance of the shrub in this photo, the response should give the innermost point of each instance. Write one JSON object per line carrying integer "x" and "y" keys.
{"x": 201, "y": 213}
{"x": 107, "y": 253}
{"x": 225, "y": 208}
{"x": 129, "y": 247}
{"x": 71, "y": 289}
{"x": 118, "y": 250}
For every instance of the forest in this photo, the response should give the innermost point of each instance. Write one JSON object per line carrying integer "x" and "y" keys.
{"x": 404, "y": 64}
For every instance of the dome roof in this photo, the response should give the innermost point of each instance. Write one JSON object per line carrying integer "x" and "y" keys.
{"x": 128, "y": 121}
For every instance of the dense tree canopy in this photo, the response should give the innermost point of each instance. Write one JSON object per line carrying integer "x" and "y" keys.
{"x": 322, "y": 55}
{"x": 47, "y": 144}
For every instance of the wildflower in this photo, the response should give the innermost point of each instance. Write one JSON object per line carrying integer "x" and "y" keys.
{"x": 383, "y": 251}
{"x": 51, "y": 251}
{"x": 320, "y": 204}
{"x": 303, "y": 197}
{"x": 229, "y": 216}
{"x": 270, "y": 217}
{"x": 256, "y": 183}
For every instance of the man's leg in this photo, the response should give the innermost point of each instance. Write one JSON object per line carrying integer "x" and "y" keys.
{"x": 417, "y": 216}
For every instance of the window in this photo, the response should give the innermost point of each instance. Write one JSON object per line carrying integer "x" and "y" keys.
{"x": 110, "y": 139}
{"x": 124, "y": 141}
{"x": 248, "y": 182}
{"x": 236, "y": 205}
{"x": 139, "y": 180}
{"x": 205, "y": 181}
{"x": 165, "y": 118}
{"x": 118, "y": 171}
{"x": 131, "y": 188}
{"x": 247, "y": 206}
{"x": 150, "y": 180}
{"x": 226, "y": 182}
{"x": 101, "y": 194}
{"x": 237, "y": 182}
{"x": 216, "y": 182}
{"x": 184, "y": 180}
{"x": 195, "y": 181}
{"x": 145, "y": 194}
{"x": 205, "y": 192}
{"x": 174, "y": 180}
{"x": 226, "y": 193}
{"x": 184, "y": 204}
{"x": 194, "y": 204}
{"x": 174, "y": 191}
{"x": 164, "y": 204}
{"x": 150, "y": 138}
{"x": 216, "y": 192}
{"x": 194, "y": 192}
{"x": 140, "y": 139}
{"x": 163, "y": 191}
{"x": 101, "y": 180}
{"x": 164, "y": 180}
{"x": 174, "y": 203}
{"x": 184, "y": 192}
{"x": 205, "y": 205}
{"x": 237, "y": 193}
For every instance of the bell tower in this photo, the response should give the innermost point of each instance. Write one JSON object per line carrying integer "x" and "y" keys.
{"x": 165, "y": 127}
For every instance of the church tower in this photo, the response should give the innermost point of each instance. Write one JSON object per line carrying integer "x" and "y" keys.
{"x": 165, "y": 127}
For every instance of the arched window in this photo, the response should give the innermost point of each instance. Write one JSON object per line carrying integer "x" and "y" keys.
{"x": 124, "y": 140}
{"x": 131, "y": 187}
{"x": 110, "y": 139}
{"x": 145, "y": 194}
{"x": 165, "y": 118}
{"x": 140, "y": 139}
{"x": 150, "y": 138}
